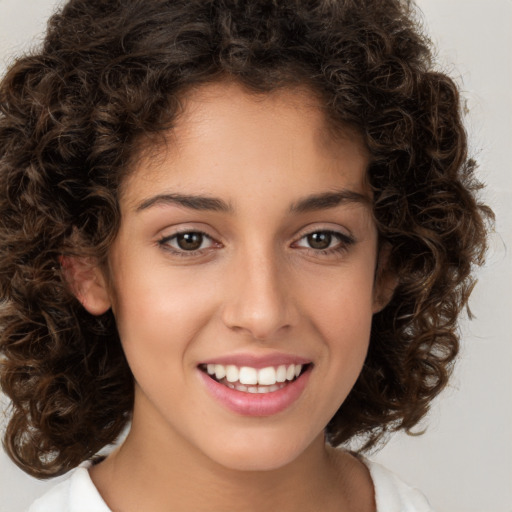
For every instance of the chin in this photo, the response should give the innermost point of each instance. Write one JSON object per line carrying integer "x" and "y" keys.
{"x": 259, "y": 452}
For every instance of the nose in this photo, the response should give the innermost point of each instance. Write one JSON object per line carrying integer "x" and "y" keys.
{"x": 259, "y": 299}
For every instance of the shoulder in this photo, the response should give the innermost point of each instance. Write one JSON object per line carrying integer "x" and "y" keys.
{"x": 75, "y": 494}
{"x": 392, "y": 494}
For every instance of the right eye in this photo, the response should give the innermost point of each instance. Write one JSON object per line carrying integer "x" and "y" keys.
{"x": 187, "y": 242}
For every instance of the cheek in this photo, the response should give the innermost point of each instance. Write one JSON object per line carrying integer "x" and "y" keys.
{"x": 342, "y": 304}
{"x": 340, "y": 309}
{"x": 343, "y": 309}
{"x": 159, "y": 312}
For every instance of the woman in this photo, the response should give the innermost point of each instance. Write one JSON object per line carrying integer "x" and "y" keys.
{"x": 247, "y": 227}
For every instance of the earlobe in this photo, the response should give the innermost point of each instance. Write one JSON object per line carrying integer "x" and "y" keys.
{"x": 87, "y": 283}
{"x": 386, "y": 280}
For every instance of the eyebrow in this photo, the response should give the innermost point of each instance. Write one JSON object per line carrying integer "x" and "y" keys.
{"x": 202, "y": 203}
{"x": 310, "y": 203}
{"x": 328, "y": 200}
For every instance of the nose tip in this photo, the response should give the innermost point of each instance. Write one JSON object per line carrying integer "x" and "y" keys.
{"x": 260, "y": 325}
{"x": 259, "y": 303}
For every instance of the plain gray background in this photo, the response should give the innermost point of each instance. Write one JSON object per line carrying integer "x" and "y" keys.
{"x": 463, "y": 462}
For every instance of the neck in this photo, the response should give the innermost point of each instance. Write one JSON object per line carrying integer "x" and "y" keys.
{"x": 144, "y": 474}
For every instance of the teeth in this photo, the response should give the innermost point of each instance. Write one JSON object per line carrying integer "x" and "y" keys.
{"x": 253, "y": 379}
{"x": 248, "y": 375}
{"x": 281, "y": 373}
{"x": 220, "y": 371}
{"x": 267, "y": 376}
{"x": 255, "y": 389}
{"x": 232, "y": 373}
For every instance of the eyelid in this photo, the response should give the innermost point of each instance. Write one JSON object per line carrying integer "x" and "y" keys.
{"x": 342, "y": 232}
{"x": 171, "y": 230}
{"x": 164, "y": 242}
{"x": 345, "y": 240}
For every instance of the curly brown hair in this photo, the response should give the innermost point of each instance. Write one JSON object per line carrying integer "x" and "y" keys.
{"x": 111, "y": 73}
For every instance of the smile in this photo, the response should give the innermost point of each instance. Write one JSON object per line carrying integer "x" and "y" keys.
{"x": 253, "y": 380}
{"x": 265, "y": 389}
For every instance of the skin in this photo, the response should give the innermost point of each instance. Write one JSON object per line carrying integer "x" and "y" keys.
{"x": 252, "y": 287}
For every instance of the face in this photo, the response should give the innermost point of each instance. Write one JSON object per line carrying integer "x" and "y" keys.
{"x": 243, "y": 277}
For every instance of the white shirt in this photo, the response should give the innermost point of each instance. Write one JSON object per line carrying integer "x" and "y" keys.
{"x": 78, "y": 494}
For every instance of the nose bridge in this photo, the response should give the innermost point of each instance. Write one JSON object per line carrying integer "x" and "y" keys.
{"x": 258, "y": 300}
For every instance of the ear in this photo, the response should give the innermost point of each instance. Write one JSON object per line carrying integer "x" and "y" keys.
{"x": 87, "y": 283}
{"x": 385, "y": 280}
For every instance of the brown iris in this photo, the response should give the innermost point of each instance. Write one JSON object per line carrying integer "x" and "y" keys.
{"x": 320, "y": 240}
{"x": 189, "y": 241}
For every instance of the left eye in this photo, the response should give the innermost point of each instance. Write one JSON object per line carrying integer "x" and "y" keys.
{"x": 188, "y": 241}
{"x": 322, "y": 240}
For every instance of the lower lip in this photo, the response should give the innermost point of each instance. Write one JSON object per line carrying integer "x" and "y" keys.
{"x": 256, "y": 404}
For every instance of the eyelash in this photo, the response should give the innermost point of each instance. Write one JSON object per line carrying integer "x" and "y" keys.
{"x": 164, "y": 242}
{"x": 344, "y": 242}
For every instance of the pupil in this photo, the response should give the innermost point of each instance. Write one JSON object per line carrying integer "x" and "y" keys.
{"x": 321, "y": 240}
{"x": 189, "y": 241}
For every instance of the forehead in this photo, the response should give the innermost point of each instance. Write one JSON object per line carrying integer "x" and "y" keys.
{"x": 298, "y": 112}
{"x": 227, "y": 135}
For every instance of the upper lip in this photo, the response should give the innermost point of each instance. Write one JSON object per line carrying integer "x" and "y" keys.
{"x": 257, "y": 361}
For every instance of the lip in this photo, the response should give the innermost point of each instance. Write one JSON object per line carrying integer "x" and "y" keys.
{"x": 257, "y": 362}
{"x": 256, "y": 404}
